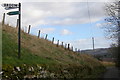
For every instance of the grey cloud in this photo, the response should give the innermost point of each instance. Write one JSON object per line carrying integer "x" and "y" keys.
{"x": 60, "y": 13}
{"x": 76, "y": 12}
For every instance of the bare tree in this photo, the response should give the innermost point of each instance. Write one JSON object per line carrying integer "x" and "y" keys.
{"x": 113, "y": 24}
{"x": 112, "y": 19}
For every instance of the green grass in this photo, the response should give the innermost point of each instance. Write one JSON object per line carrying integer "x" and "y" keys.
{"x": 10, "y": 54}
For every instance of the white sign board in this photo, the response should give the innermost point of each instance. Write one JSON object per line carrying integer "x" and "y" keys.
{"x": 8, "y": 8}
{"x": 10, "y": 5}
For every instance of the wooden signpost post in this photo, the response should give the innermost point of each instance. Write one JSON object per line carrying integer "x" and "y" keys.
{"x": 14, "y": 6}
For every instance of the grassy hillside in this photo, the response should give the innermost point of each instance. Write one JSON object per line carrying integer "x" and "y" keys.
{"x": 42, "y": 52}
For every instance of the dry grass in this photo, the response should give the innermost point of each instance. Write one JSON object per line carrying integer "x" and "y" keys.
{"x": 106, "y": 64}
{"x": 46, "y": 49}
{"x": 39, "y": 51}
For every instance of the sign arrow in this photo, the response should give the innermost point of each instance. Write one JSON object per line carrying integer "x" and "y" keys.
{"x": 10, "y": 5}
{"x": 8, "y": 8}
{"x": 13, "y": 13}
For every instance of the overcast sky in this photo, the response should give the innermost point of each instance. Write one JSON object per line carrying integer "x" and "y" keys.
{"x": 73, "y": 22}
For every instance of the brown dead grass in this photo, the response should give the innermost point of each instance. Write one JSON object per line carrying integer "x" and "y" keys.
{"x": 106, "y": 64}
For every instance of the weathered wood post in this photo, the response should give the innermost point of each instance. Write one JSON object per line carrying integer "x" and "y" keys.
{"x": 78, "y": 50}
{"x": 53, "y": 40}
{"x": 75, "y": 49}
{"x": 29, "y": 29}
{"x": 93, "y": 42}
{"x": 68, "y": 46}
{"x": 57, "y": 43}
{"x": 17, "y": 23}
{"x": 39, "y": 34}
{"x": 65, "y": 46}
{"x": 72, "y": 48}
{"x": 3, "y": 21}
{"x": 62, "y": 44}
{"x": 46, "y": 36}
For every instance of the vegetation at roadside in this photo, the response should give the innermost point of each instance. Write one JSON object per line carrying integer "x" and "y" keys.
{"x": 107, "y": 64}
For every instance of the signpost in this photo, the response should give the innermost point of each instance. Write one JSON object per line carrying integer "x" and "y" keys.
{"x": 19, "y": 32}
{"x": 13, "y": 13}
{"x": 14, "y": 6}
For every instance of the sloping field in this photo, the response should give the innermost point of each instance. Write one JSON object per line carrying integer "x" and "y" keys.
{"x": 36, "y": 51}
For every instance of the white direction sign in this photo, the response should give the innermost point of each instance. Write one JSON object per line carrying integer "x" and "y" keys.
{"x": 8, "y": 6}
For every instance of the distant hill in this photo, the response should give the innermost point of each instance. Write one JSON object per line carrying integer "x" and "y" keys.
{"x": 99, "y": 51}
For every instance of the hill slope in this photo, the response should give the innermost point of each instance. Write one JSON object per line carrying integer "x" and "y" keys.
{"x": 99, "y": 51}
{"x": 42, "y": 52}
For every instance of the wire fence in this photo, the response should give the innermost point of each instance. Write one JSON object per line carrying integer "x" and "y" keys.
{"x": 40, "y": 34}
